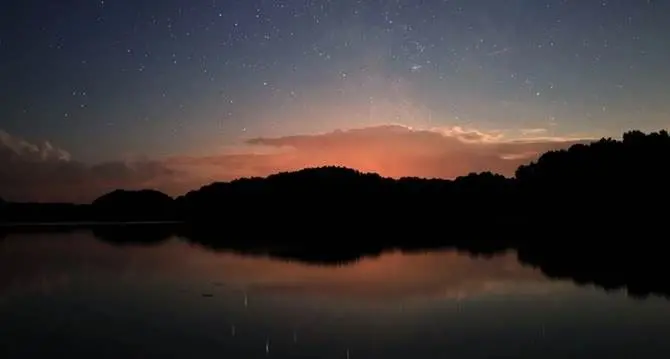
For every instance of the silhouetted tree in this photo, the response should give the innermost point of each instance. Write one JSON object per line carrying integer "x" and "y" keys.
{"x": 606, "y": 183}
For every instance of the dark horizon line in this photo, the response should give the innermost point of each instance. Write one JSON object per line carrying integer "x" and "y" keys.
{"x": 604, "y": 149}
{"x": 311, "y": 168}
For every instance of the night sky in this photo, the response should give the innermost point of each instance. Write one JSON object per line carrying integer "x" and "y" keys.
{"x": 173, "y": 83}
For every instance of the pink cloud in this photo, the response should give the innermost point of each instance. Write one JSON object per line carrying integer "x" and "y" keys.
{"x": 391, "y": 150}
{"x": 44, "y": 172}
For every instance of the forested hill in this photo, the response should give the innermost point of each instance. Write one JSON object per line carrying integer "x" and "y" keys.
{"x": 605, "y": 183}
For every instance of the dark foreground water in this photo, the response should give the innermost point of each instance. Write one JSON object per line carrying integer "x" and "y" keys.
{"x": 70, "y": 295}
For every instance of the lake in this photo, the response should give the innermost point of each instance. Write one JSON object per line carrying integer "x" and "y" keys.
{"x": 72, "y": 295}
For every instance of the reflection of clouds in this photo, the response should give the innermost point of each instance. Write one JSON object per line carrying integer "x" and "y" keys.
{"x": 25, "y": 270}
{"x": 30, "y": 263}
{"x": 43, "y": 263}
{"x": 403, "y": 276}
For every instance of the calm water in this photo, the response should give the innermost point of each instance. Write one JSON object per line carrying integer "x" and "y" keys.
{"x": 73, "y": 296}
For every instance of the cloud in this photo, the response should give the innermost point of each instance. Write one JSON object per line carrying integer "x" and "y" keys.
{"x": 533, "y": 131}
{"x": 17, "y": 149}
{"x": 30, "y": 171}
{"x": 43, "y": 172}
{"x": 391, "y": 150}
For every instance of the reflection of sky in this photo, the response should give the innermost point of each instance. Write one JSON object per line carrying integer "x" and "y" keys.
{"x": 46, "y": 262}
{"x": 71, "y": 292}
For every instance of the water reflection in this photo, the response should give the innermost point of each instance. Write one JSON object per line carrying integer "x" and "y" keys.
{"x": 67, "y": 293}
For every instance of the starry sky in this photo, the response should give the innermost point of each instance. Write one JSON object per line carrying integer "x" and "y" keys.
{"x": 110, "y": 82}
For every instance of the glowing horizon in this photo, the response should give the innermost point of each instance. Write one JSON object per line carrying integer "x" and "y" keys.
{"x": 389, "y": 150}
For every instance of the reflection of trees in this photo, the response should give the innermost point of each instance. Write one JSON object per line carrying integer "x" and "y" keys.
{"x": 609, "y": 267}
{"x": 336, "y": 250}
{"x": 134, "y": 234}
{"x": 640, "y": 270}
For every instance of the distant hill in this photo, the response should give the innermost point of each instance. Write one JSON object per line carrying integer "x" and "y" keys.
{"x": 328, "y": 195}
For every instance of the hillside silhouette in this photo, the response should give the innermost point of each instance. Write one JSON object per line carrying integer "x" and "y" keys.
{"x": 608, "y": 185}
{"x": 594, "y": 213}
